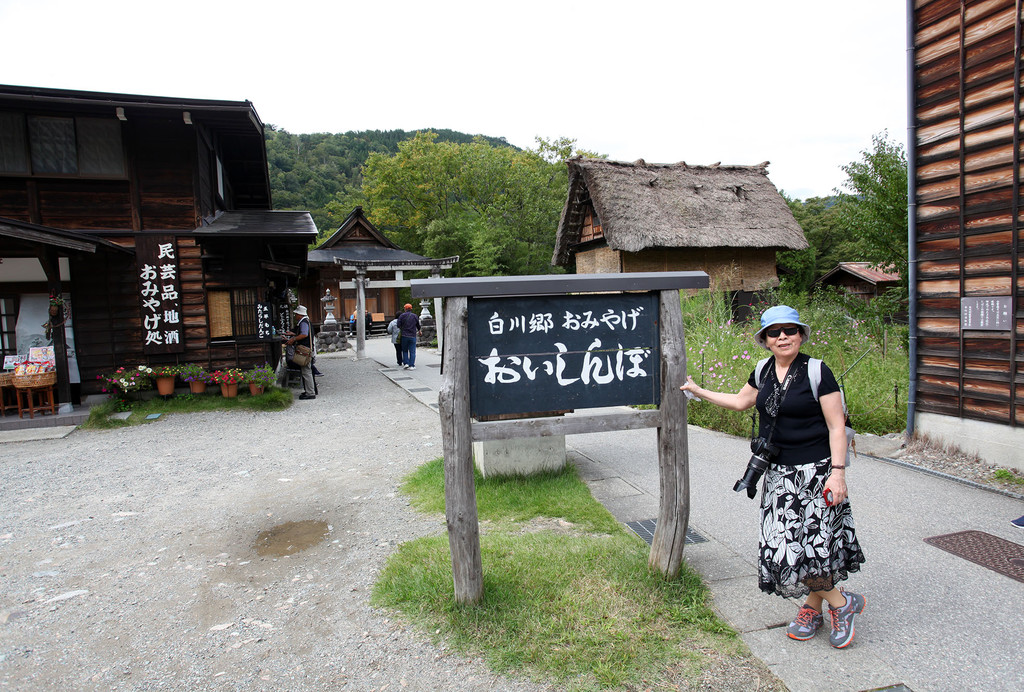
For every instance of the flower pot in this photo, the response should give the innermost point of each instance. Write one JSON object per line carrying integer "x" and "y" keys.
{"x": 197, "y": 387}
{"x": 165, "y": 385}
{"x": 229, "y": 391}
{"x": 255, "y": 389}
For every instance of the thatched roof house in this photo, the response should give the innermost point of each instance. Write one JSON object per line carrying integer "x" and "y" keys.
{"x": 726, "y": 220}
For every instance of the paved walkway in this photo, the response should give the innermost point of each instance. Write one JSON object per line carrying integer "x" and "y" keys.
{"x": 934, "y": 621}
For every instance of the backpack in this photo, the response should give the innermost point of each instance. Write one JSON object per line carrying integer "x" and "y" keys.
{"x": 814, "y": 376}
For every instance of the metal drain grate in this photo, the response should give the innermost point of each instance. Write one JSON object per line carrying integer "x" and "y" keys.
{"x": 645, "y": 529}
{"x": 993, "y": 552}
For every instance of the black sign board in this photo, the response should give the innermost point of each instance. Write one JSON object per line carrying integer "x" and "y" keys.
{"x": 264, "y": 325}
{"x": 156, "y": 258}
{"x": 531, "y": 354}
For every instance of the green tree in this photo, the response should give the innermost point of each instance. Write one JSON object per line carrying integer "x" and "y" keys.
{"x": 828, "y": 238}
{"x": 494, "y": 206}
{"x": 875, "y": 214}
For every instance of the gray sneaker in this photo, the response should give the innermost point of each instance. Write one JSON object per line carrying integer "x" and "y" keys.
{"x": 807, "y": 623}
{"x": 842, "y": 619}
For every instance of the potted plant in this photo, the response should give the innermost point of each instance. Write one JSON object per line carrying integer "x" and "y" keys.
{"x": 126, "y": 380}
{"x": 259, "y": 378}
{"x": 196, "y": 376}
{"x": 164, "y": 376}
{"x": 228, "y": 380}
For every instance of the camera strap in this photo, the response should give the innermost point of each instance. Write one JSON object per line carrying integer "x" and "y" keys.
{"x": 785, "y": 388}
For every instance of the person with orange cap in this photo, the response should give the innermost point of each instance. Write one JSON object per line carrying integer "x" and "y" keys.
{"x": 409, "y": 325}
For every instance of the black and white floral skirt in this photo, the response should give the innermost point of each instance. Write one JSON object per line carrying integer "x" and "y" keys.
{"x": 805, "y": 544}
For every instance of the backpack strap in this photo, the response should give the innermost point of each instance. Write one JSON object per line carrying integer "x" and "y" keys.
{"x": 759, "y": 371}
{"x": 814, "y": 375}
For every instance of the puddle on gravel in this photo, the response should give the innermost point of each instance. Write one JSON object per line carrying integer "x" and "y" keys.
{"x": 290, "y": 537}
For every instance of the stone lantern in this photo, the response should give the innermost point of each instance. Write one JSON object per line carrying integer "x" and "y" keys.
{"x": 328, "y": 301}
{"x": 331, "y": 337}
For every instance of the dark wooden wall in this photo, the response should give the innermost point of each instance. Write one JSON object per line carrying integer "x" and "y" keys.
{"x": 966, "y": 101}
{"x": 158, "y": 193}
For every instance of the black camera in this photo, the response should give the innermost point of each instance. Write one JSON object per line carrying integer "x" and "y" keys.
{"x": 763, "y": 453}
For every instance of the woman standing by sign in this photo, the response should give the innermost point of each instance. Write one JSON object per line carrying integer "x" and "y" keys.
{"x": 808, "y": 542}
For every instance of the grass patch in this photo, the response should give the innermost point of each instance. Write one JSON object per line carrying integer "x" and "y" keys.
{"x": 1006, "y": 476}
{"x": 272, "y": 399}
{"x": 577, "y": 606}
{"x": 559, "y": 495}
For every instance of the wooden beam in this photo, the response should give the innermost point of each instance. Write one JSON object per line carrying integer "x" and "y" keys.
{"x": 557, "y": 284}
{"x": 459, "y": 486}
{"x": 572, "y": 425}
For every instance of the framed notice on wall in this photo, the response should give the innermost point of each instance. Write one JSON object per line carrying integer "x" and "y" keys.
{"x": 992, "y": 313}
{"x": 531, "y": 354}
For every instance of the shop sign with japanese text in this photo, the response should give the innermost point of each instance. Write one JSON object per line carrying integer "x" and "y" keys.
{"x": 532, "y": 354}
{"x": 159, "y": 294}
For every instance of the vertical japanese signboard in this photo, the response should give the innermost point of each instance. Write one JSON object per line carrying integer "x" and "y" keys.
{"x": 531, "y": 354}
{"x": 264, "y": 324}
{"x": 159, "y": 294}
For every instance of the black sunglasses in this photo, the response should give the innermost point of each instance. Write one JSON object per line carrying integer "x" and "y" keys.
{"x": 775, "y": 331}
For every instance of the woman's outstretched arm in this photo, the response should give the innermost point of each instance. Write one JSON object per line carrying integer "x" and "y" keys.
{"x": 740, "y": 401}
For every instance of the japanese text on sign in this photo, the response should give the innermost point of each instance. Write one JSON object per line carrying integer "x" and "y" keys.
{"x": 541, "y": 354}
{"x": 988, "y": 313}
{"x": 159, "y": 292}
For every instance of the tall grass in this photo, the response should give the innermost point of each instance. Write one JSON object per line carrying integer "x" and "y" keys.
{"x": 867, "y": 355}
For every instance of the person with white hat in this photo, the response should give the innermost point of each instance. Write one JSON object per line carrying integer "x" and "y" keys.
{"x": 303, "y": 337}
{"x": 808, "y": 541}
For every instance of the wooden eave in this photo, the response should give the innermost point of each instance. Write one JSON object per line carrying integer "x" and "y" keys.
{"x": 30, "y": 236}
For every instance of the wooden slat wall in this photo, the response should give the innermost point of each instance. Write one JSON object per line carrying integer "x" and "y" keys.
{"x": 967, "y": 94}
{"x": 164, "y": 155}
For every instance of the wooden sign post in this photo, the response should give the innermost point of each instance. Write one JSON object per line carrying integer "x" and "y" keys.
{"x": 546, "y": 343}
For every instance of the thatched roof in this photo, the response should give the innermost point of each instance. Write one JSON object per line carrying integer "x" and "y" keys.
{"x": 642, "y": 205}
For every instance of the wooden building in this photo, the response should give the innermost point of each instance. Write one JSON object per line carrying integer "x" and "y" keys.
{"x": 728, "y": 221}
{"x": 860, "y": 279}
{"x": 967, "y": 360}
{"x": 173, "y": 253}
{"x": 357, "y": 247}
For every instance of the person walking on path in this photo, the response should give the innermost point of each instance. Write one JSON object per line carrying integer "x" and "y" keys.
{"x": 409, "y": 324}
{"x": 303, "y": 338}
{"x": 808, "y": 543}
{"x": 396, "y": 337}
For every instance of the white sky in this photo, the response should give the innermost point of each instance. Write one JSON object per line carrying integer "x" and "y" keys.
{"x": 801, "y": 83}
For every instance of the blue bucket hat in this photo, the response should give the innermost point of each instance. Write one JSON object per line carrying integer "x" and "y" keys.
{"x": 780, "y": 314}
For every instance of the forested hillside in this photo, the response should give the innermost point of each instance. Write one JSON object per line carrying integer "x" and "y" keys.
{"x": 307, "y": 171}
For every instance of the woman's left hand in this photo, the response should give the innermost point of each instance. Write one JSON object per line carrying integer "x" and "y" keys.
{"x": 837, "y": 484}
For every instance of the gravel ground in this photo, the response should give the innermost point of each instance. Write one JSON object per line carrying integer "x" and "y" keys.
{"x": 954, "y": 462}
{"x": 128, "y": 558}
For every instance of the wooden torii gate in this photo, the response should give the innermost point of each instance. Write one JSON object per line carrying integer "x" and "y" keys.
{"x": 465, "y": 390}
